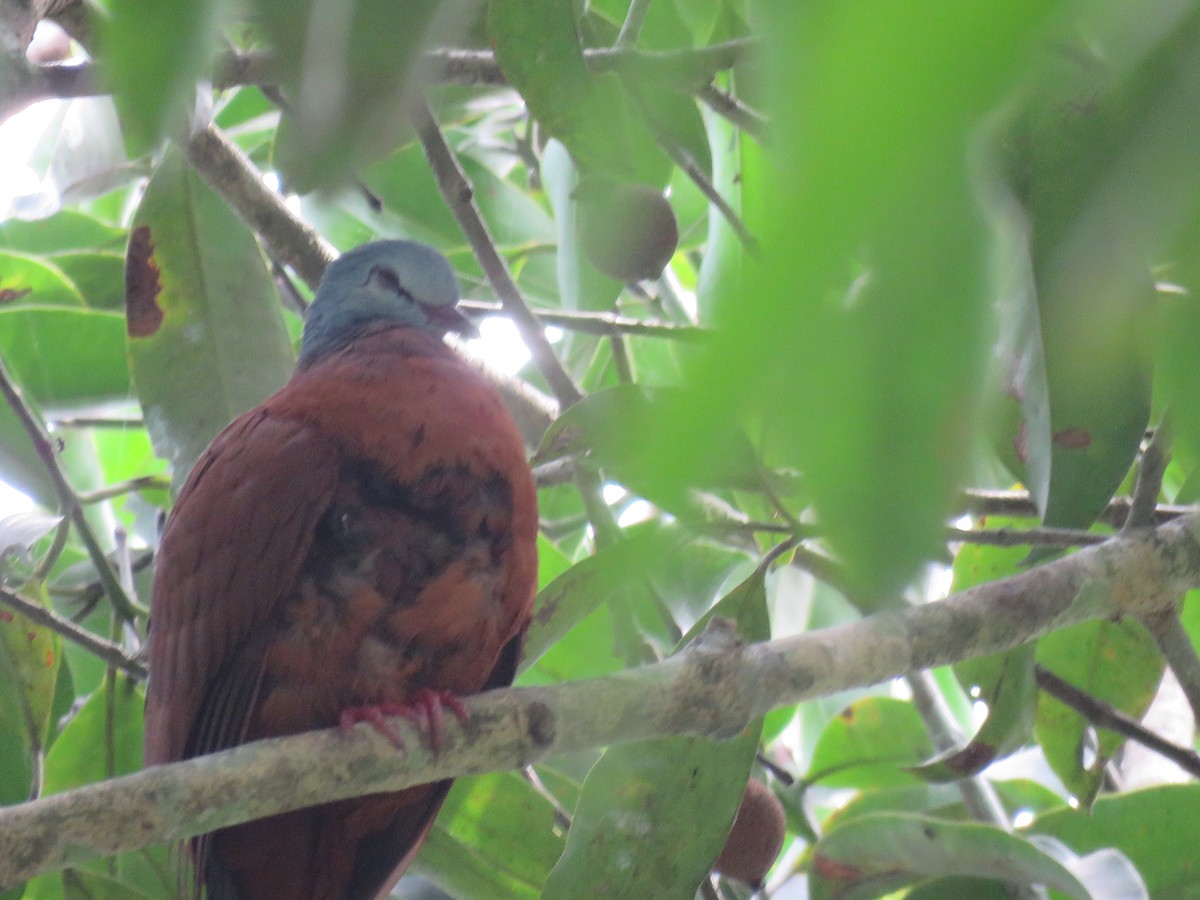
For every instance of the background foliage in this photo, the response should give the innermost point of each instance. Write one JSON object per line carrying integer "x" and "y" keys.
{"x": 917, "y": 253}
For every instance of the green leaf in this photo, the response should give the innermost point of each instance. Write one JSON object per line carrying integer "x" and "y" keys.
{"x": 537, "y": 46}
{"x": 206, "y": 334}
{"x": 1115, "y": 662}
{"x": 879, "y": 853}
{"x": 597, "y": 579}
{"x": 63, "y": 231}
{"x": 29, "y": 280}
{"x": 1012, "y": 704}
{"x": 350, "y": 74}
{"x": 1107, "y": 177}
{"x": 97, "y": 275}
{"x": 867, "y": 342}
{"x": 20, "y": 463}
{"x": 655, "y": 582}
{"x": 30, "y": 656}
{"x": 869, "y": 744}
{"x": 653, "y": 815}
{"x": 495, "y": 837}
{"x": 1005, "y": 680}
{"x": 65, "y": 357}
{"x": 154, "y": 62}
{"x": 1154, "y": 827}
{"x": 599, "y": 427}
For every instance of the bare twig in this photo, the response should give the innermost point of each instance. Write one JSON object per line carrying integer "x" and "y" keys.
{"x": 1018, "y": 504}
{"x": 96, "y": 422}
{"x": 602, "y": 324}
{"x": 684, "y": 160}
{"x": 635, "y": 18}
{"x": 1154, "y": 462}
{"x": 67, "y": 498}
{"x": 109, "y": 652}
{"x": 145, "y": 482}
{"x": 1025, "y": 537}
{"x": 1104, "y": 715}
{"x": 684, "y": 69}
{"x": 1178, "y": 650}
{"x": 456, "y": 189}
{"x": 725, "y": 104}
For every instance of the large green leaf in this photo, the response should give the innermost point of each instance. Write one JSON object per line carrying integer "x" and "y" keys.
{"x": 350, "y": 72}
{"x": 879, "y": 853}
{"x": 206, "y": 334}
{"x": 30, "y": 656}
{"x": 537, "y": 46}
{"x": 1005, "y": 680}
{"x": 66, "y": 230}
{"x": 1155, "y": 828}
{"x": 97, "y": 275}
{"x": 27, "y": 279}
{"x": 653, "y": 815}
{"x": 1103, "y": 163}
{"x": 858, "y": 340}
{"x": 154, "y": 61}
{"x": 869, "y": 744}
{"x": 65, "y": 357}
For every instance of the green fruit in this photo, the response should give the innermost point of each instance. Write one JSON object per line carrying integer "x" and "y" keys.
{"x": 628, "y": 231}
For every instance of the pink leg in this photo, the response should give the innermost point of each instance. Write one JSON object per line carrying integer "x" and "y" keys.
{"x": 424, "y": 709}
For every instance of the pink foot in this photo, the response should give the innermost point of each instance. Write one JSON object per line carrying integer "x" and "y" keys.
{"x": 425, "y": 709}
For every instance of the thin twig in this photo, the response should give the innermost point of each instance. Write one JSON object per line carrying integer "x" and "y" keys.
{"x": 684, "y": 69}
{"x": 62, "y": 531}
{"x": 67, "y": 498}
{"x": 562, "y": 818}
{"x": 621, "y": 359}
{"x": 459, "y": 196}
{"x": 602, "y": 324}
{"x": 1104, "y": 715}
{"x": 142, "y": 483}
{"x": 1018, "y": 504}
{"x": 1179, "y": 652}
{"x": 96, "y": 422}
{"x": 1025, "y": 537}
{"x": 107, "y": 651}
{"x": 1154, "y": 462}
{"x": 725, "y": 104}
{"x": 88, "y": 592}
{"x": 684, "y": 160}
{"x": 635, "y": 18}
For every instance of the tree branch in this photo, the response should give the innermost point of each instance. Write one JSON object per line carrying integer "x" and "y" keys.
{"x": 1104, "y": 715}
{"x": 72, "y": 508}
{"x": 602, "y": 324}
{"x": 685, "y": 70}
{"x": 459, "y": 196}
{"x": 711, "y": 690}
{"x": 231, "y": 174}
{"x": 1018, "y": 504}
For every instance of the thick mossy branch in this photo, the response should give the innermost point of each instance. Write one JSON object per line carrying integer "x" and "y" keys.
{"x": 712, "y": 690}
